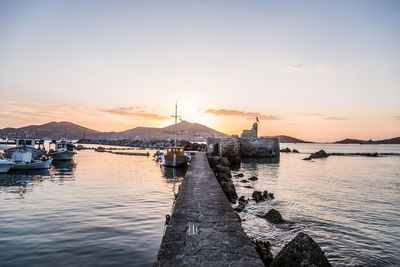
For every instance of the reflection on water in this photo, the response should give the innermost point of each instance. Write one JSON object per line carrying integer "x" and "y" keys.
{"x": 349, "y": 205}
{"x": 100, "y": 210}
{"x": 169, "y": 172}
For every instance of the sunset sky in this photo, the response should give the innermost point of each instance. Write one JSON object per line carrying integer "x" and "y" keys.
{"x": 316, "y": 70}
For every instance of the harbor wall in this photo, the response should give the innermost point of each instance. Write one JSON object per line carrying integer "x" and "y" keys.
{"x": 203, "y": 228}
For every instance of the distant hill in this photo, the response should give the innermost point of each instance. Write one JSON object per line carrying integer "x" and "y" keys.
{"x": 57, "y": 130}
{"x": 184, "y": 130}
{"x": 289, "y": 139}
{"x": 349, "y": 141}
{"x": 53, "y": 129}
{"x": 395, "y": 140}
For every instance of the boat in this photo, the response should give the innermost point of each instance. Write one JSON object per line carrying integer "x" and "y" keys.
{"x": 29, "y": 144}
{"x": 5, "y": 164}
{"x": 24, "y": 161}
{"x": 63, "y": 150}
{"x": 175, "y": 156}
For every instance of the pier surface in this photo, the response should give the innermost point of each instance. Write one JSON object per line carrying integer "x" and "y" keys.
{"x": 203, "y": 229}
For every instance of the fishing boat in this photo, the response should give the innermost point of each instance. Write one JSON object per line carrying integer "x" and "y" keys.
{"x": 29, "y": 145}
{"x": 175, "y": 156}
{"x": 24, "y": 161}
{"x": 5, "y": 164}
{"x": 63, "y": 150}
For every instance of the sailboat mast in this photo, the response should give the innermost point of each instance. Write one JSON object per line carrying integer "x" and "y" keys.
{"x": 176, "y": 117}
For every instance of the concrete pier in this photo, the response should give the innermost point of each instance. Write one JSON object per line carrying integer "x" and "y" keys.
{"x": 203, "y": 229}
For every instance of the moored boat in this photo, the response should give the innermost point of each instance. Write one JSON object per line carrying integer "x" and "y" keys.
{"x": 5, "y": 164}
{"x": 24, "y": 161}
{"x": 63, "y": 150}
{"x": 175, "y": 156}
{"x": 29, "y": 145}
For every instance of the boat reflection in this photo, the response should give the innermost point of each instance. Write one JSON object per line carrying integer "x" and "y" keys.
{"x": 66, "y": 168}
{"x": 173, "y": 173}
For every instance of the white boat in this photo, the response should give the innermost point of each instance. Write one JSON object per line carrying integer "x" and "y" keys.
{"x": 64, "y": 151}
{"x": 24, "y": 161}
{"x": 5, "y": 164}
{"x": 29, "y": 144}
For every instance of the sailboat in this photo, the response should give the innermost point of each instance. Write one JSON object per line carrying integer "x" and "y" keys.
{"x": 175, "y": 156}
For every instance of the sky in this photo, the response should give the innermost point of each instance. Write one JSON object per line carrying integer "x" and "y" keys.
{"x": 316, "y": 70}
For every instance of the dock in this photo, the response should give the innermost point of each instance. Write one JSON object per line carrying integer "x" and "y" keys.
{"x": 203, "y": 229}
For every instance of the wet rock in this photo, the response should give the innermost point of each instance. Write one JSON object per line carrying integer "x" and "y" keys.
{"x": 243, "y": 199}
{"x": 239, "y": 175}
{"x": 224, "y": 162}
{"x": 295, "y": 151}
{"x": 248, "y": 186}
{"x": 265, "y": 194}
{"x": 223, "y": 177}
{"x": 240, "y": 207}
{"x": 263, "y": 249}
{"x": 271, "y": 195}
{"x": 229, "y": 190}
{"x": 244, "y": 181}
{"x": 319, "y": 154}
{"x": 307, "y": 159}
{"x": 253, "y": 178}
{"x": 79, "y": 147}
{"x": 301, "y": 251}
{"x": 223, "y": 169}
{"x": 257, "y": 196}
{"x": 286, "y": 150}
{"x": 273, "y": 216}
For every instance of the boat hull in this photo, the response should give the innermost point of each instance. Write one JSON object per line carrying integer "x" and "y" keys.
{"x": 65, "y": 155}
{"x": 5, "y": 166}
{"x": 36, "y": 153}
{"x": 37, "y": 165}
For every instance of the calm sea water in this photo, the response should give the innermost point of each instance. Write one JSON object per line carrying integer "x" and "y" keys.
{"x": 349, "y": 205}
{"x": 104, "y": 209}
{"x": 100, "y": 210}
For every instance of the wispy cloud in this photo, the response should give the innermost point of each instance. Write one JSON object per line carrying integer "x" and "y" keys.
{"x": 312, "y": 114}
{"x": 136, "y": 111}
{"x": 324, "y": 68}
{"x": 239, "y": 113}
{"x": 334, "y": 118}
{"x": 323, "y": 116}
{"x": 294, "y": 68}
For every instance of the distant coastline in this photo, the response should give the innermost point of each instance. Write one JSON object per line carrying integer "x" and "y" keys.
{"x": 186, "y": 131}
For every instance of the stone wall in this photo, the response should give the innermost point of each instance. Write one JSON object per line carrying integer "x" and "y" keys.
{"x": 259, "y": 148}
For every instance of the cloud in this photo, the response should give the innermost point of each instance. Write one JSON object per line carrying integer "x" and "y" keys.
{"x": 334, "y": 118}
{"x": 296, "y": 67}
{"x": 324, "y": 68}
{"x": 312, "y": 114}
{"x": 397, "y": 117}
{"x": 238, "y": 113}
{"x": 134, "y": 112}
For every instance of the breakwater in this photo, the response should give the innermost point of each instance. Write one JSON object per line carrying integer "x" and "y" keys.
{"x": 203, "y": 229}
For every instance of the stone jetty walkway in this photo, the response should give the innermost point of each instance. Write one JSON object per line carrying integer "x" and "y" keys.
{"x": 203, "y": 229}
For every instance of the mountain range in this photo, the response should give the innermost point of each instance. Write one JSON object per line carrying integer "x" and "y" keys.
{"x": 185, "y": 130}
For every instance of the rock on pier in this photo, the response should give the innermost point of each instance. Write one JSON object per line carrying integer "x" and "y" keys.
{"x": 203, "y": 229}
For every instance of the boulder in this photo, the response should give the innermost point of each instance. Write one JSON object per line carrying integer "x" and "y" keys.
{"x": 239, "y": 175}
{"x": 295, "y": 151}
{"x": 223, "y": 177}
{"x": 286, "y": 150}
{"x": 263, "y": 249}
{"x": 229, "y": 190}
{"x": 223, "y": 169}
{"x": 273, "y": 216}
{"x": 244, "y": 181}
{"x": 248, "y": 186}
{"x": 243, "y": 199}
{"x": 257, "y": 196}
{"x": 253, "y": 178}
{"x": 319, "y": 154}
{"x": 240, "y": 207}
{"x": 265, "y": 194}
{"x": 271, "y": 195}
{"x": 224, "y": 162}
{"x": 301, "y": 251}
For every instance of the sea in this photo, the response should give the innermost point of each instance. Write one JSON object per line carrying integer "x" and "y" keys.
{"x": 104, "y": 209}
